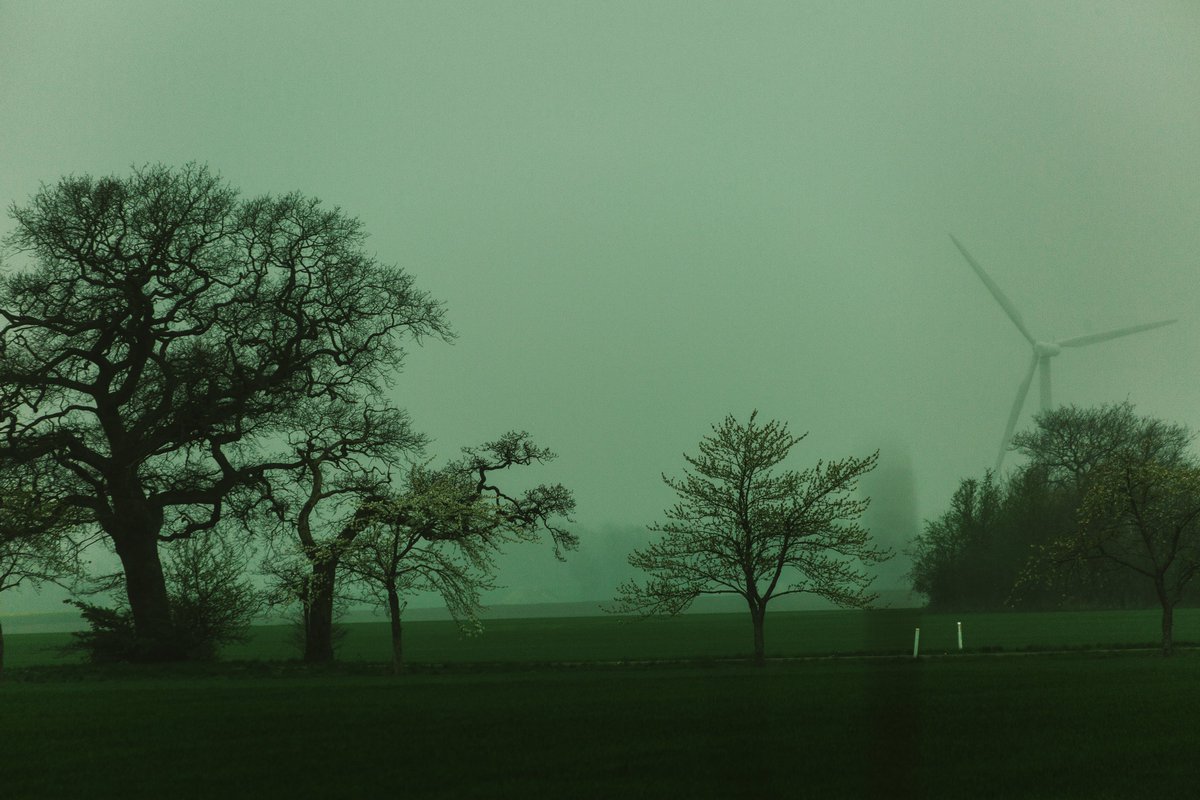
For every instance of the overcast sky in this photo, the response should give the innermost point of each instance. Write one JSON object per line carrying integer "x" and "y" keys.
{"x": 643, "y": 216}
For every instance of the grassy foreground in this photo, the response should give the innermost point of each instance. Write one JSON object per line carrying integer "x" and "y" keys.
{"x": 1079, "y": 725}
{"x": 538, "y": 708}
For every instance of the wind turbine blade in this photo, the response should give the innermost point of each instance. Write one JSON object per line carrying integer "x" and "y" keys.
{"x": 1080, "y": 341}
{"x": 1004, "y": 302}
{"x": 1016, "y": 411}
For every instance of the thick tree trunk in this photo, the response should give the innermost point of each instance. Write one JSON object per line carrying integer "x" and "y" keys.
{"x": 758, "y": 616}
{"x": 397, "y": 631}
{"x": 146, "y": 588}
{"x": 318, "y": 618}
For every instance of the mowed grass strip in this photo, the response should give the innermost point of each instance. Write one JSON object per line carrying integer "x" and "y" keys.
{"x": 696, "y": 636}
{"x": 1078, "y": 725}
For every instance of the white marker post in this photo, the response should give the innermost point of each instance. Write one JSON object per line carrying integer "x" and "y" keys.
{"x": 960, "y": 636}
{"x": 916, "y": 641}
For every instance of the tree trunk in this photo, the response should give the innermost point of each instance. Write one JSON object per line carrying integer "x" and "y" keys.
{"x": 397, "y": 632}
{"x": 1, "y": 651}
{"x": 1168, "y": 614}
{"x": 758, "y": 616}
{"x": 318, "y": 619}
{"x": 146, "y": 588}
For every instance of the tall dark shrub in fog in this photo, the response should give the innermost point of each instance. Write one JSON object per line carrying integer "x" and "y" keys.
{"x": 954, "y": 563}
{"x": 161, "y": 330}
{"x": 740, "y": 527}
{"x": 212, "y": 602}
{"x": 973, "y": 555}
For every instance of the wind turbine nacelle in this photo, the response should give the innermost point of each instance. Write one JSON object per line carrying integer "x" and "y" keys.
{"x": 1046, "y": 349}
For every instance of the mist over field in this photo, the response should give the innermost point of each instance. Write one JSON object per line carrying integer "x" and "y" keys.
{"x": 645, "y": 216}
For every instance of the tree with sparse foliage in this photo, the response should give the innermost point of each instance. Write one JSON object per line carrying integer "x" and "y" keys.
{"x": 1069, "y": 442}
{"x": 987, "y": 551}
{"x": 342, "y": 456}
{"x": 1069, "y": 449}
{"x": 36, "y": 533}
{"x": 163, "y": 334}
{"x": 741, "y": 527}
{"x": 1141, "y": 513}
{"x": 441, "y": 529}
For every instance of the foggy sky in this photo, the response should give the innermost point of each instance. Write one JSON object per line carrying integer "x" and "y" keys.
{"x": 643, "y": 216}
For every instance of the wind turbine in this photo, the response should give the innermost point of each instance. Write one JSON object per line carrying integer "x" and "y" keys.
{"x": 1043, "y": 351}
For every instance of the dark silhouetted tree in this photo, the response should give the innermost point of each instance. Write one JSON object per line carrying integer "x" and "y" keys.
{"x": 1067, "y": 443}
{"x": 742, "y": 528}
{"x": 985, "y": 552}
{"x": 342, "y": 454}
{"x": 955, "y": 550}
{"x": 164, "y": 331}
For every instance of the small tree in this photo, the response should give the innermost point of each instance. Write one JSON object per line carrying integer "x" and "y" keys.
{"x": 408, "y": 550}
{"x": 741, "y": 528}
{"x": 442, "y": 530}
{"x": 1135, "y": 487}
{"x": 35, "y": 542}
{"x": 340, "y": 457}
{"x": 1142, "y": 513}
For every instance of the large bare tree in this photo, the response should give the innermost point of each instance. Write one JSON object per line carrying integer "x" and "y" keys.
{"x": 742, "y": 528}
{"x": 161, "y": 330}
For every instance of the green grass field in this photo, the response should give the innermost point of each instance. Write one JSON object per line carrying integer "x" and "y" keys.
{"x": 497, "y": 721}
{"x": 698, "y": 636}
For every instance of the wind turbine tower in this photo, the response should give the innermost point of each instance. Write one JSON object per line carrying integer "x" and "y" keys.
{"x": 1043, "y": 351}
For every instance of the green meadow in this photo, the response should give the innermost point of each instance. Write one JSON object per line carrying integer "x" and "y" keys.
{"x": 696, "y": 636}
{"x": 544, "y": 708}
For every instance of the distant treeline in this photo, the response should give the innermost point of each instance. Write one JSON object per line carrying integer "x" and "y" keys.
{"x": 1028, "y": 540}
